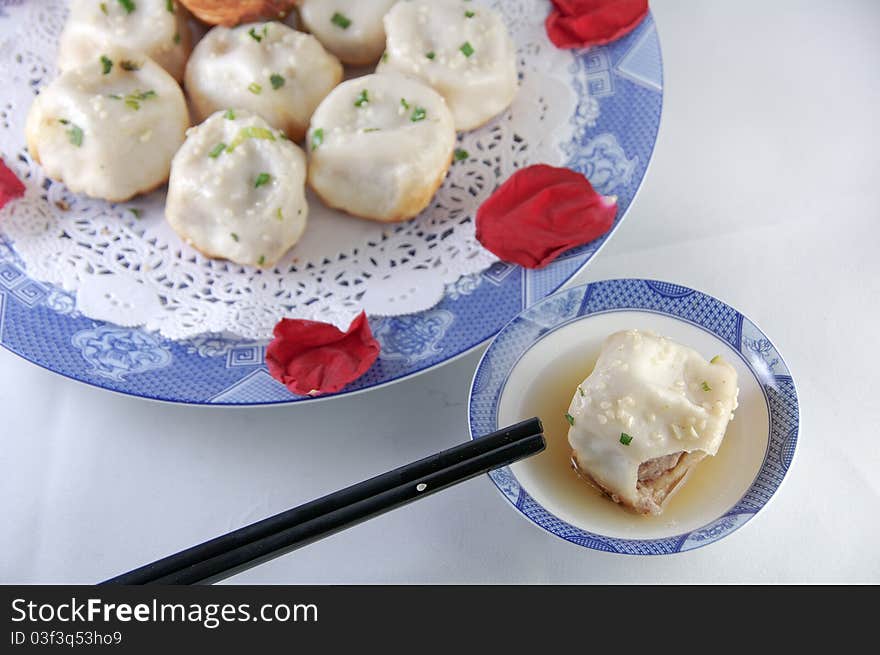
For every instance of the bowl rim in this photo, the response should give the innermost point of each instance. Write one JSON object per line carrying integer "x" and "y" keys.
{"x": 776, "y": 383}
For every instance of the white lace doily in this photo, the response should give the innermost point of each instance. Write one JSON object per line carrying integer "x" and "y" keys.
{"x": 127, "y": 267}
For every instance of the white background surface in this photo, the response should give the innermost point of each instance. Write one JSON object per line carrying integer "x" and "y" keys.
{"x": 764, "y": 192}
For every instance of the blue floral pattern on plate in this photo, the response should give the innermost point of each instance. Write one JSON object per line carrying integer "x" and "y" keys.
{"x": 615, "y": 127}
{"x": 413, "y": 338}
{"x": 671, "y": 300}
{"x": 116, "y": 352}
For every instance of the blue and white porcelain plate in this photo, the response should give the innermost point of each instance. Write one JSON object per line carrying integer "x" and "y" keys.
{"x": 534, "y": 366}
{"x": 619, "y": 95}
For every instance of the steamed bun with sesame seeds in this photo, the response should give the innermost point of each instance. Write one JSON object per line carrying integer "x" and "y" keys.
{"x": 235, "y": 12}
{"x": 650, "y": 411}
{"x": 267, "y": 68}
{"x": 380, "y": 146}
{"x": 350, "y": 29}
{"x": 237, "y": 190}
{"x": 109, "y": 128}
{"x": 157, "y": 28}
{"x": 461, "y": 49}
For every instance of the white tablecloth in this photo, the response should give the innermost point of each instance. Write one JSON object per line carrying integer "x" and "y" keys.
{"x": 764, "y": 192}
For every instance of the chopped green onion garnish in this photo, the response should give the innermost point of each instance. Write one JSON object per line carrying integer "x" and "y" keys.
{"x": 255, "y": 88}
{"x": 705, "y": 386}
{"x": 128, "y": 5}
{"x": 466, "y": 49}
{"x": 385, "y": 56}
{"x": 74, "y": 132}
{"x": 106, "y": 64}
{"x": 217, "y": 150}
{"x": 169, "y": 5}
{"x": 430, "y": 55}
{"x": 133, "y": 100}
{"x": 625, "y": 439}
{"x": 229, "y": 115}
{"x": 262, "y": 179}
{"x": 317, "y": 138}
{"x": 135, "y": 211}
{"x": 256, "y": 37}
{"x": 469, "y": 14}
{"x": 276, "y": 80}
{"x": 104, "y": 8}
{"x": 371, "y": 129}
{"x": 715, "y": 359}
{"x": 341, "y": 20}
{"x": 234, "y": 236}
{"x": 404, "y": 103}
{"x": 279, "y": 215}
{"x": 581, "y": 391}
{"x": 418, "y": 114}
{"x": 177, "y": 37}
{"x": 461, "y": 155}
{"x": 127, "y": 65}
{"x": 262, "y": 260}
{"x": 362, "y": 99}
{"x": 569, "y": 418}
{"x": 251, "y": 132}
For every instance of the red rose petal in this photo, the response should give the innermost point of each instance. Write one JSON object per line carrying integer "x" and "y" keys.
{"x": 540, "y": 212}
{"x": 582, "y": 23}
{"x": 311, "y": 358}
{"x": 10, "y": 186}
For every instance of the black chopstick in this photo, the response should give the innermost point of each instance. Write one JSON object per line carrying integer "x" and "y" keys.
{"x": 234, "y": 552}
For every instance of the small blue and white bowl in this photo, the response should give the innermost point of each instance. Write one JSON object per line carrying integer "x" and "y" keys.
{"x": 535, "y": 363}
